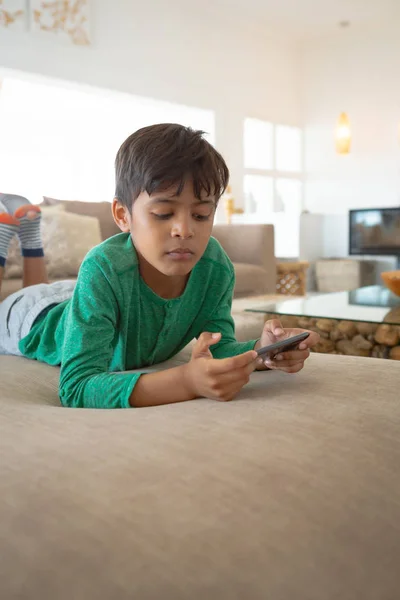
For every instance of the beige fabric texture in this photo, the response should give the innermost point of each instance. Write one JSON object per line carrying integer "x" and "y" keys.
{"x": 250, "y": 279}
{"x": 291, "y": 492}
{"x": 251, "y": 245}
{"x": 67, "y": 240}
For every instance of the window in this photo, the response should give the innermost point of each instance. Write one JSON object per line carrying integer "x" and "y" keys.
{"x": 288, "y": 194}
{"x": 61, "y": 141}
{"x": 288, "y": 149}
{"x": 258, "y": 146}
{"x": 273, "y": 168}
{"x": 259, "y": 191}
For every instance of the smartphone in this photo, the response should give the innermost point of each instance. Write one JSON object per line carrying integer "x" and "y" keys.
{"x": 283, "y": 345}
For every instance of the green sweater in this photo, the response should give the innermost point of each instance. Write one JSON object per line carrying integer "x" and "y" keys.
{"x": 115, "y": 323}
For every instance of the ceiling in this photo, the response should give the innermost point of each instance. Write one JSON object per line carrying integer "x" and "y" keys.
{"x": 315, "y": 17}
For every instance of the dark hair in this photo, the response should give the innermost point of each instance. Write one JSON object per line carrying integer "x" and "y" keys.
{"x": 159, "y": 156}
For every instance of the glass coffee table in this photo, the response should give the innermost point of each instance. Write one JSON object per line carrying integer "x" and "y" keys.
{"x": 361, "y": 322}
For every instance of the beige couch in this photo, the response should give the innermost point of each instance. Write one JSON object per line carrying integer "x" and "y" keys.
{"x": 250, "y": 247}
{"x": 291, "y": 492}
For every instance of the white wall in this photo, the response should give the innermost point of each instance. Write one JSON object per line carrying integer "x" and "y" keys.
{"x": 357, "y": 73}
{"x": 179, "y": 53}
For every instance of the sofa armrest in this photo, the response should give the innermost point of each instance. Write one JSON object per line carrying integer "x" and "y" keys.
{"x": 250, "y": 244}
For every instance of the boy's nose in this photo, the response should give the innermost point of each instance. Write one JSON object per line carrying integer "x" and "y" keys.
{"x": 182, "y": 229}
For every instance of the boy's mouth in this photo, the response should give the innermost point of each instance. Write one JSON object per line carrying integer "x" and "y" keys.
{"x": 180, "y": 254}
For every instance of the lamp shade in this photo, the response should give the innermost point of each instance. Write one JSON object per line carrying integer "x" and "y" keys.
{"x": 343, "y": 134}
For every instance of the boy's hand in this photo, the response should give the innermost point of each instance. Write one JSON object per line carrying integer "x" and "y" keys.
{"x": 219, "y": 379}
{"x": 291, "y": 361}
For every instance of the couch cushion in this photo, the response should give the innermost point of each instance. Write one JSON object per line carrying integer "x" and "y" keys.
{"x": 67, "y": 242}
{"x": 251, "y": 244}
{"x": 290, "y": 492}
{"x": 100, "y": 210}
{"x": 250, "y": 279}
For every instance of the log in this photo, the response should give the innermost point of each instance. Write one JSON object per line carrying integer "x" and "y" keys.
{"x": 348, "y": 328}
{"x": 322, "y": 334}
{"x": 306, "y": 322}
{"x": 394, "y": 353}
{"x": 326, "y": 325}
{"x": 361, "y": 343}
{"x": 366, "y": 328}
{"x": 337, "y": 335}
{"x": 388, "y": 335}
{"x": 347, "y": 347}
{"x": 380, "y": 351}
{"x": 324, "y": 346}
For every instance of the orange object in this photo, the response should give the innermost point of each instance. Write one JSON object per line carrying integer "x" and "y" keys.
{"x": 392, "y": 281}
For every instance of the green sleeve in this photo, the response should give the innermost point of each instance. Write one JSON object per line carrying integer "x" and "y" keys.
{"x": 222, "y": 322}
{"x": 89, "y": 334}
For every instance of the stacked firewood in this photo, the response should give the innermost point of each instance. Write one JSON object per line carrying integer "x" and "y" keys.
{"x": 350, "y": 337}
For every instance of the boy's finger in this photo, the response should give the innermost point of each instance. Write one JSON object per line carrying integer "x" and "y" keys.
{"x": 312, "y": 339}
{"x": 206, "y": 340}
{"x": 293, "y": 369}
{"x": 294, "y": 355}
{"x": 230, "y": 393}
{"x": 275, "y": 327}
{"x": 234, "y": 378}
{"x": 283, "y": 364}
{"x": 225, "y": 365}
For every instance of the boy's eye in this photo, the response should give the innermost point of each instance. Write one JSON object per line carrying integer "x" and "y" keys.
{"x": 165, "y": 216}
{"x": 162, "y": 216}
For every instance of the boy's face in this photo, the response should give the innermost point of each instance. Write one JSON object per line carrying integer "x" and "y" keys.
{"x": 169, "y": 232}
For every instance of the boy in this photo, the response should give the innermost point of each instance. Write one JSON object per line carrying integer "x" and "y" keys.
{"x": 144, "y": 294}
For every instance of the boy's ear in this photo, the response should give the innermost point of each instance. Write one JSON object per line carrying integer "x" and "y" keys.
{"x": 121, "y": 216}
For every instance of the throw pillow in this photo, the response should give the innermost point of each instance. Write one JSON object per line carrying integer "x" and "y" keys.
{"x": 66, "y": 240}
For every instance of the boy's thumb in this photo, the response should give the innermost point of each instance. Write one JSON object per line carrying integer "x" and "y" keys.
{"x": 205, "y": 340}
{"x": 208, "y": 339}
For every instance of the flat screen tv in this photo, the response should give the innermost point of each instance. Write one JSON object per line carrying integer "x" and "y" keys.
{"x": 375, "y": 231}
